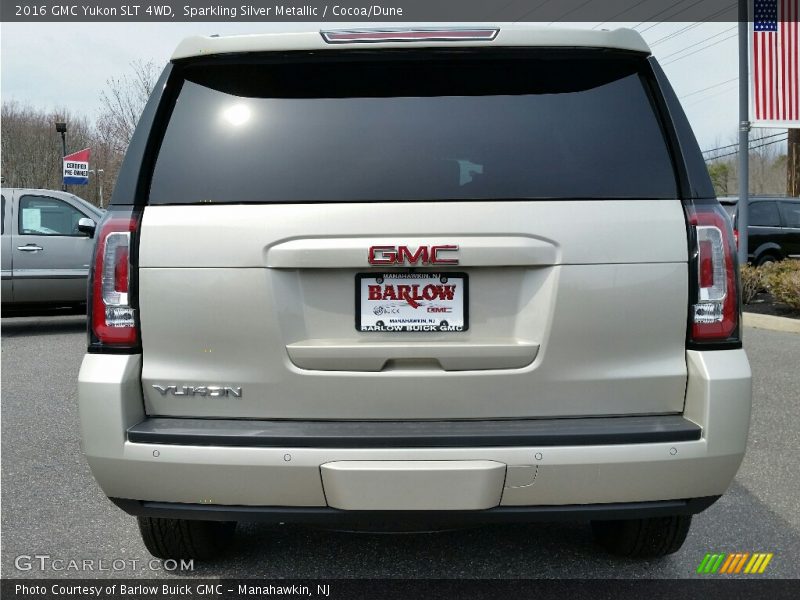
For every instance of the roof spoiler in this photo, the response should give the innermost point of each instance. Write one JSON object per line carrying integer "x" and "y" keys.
{"x": 365, "y": 36}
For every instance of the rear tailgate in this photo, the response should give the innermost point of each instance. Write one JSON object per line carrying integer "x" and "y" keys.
{"x": 570, "y": 287}
{"x": 565, "y": 317}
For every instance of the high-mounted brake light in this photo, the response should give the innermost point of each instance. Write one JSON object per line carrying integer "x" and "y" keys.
{"x": 714, "y": 304}
{"x": 113, "y": 312}
{"x": 408, "y": 35}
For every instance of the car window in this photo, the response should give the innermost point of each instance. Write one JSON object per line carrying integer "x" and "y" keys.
{"x": 764, "y": 214}
{"x": 472, "y": 129}
{"x": 791, "y": 213}
{"x": 86, "y": 205}
{"x": 731, "y": 210}
{"x": 42, "y": 215}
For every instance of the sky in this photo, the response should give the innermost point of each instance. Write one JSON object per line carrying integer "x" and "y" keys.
{"x": 57, "y": 65}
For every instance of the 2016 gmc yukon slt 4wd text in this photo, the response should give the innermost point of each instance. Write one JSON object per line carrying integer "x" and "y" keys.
{"x": 401, "y": 277}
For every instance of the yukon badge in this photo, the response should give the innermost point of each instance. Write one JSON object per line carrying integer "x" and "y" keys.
{"x": 212, "y": 391}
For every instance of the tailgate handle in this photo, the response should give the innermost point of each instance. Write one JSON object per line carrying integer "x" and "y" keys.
{"x": 336, "y": 355}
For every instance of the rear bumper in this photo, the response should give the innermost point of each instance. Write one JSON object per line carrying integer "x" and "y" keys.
{"x": 414, "y": 434}
{"x": 695, "y": 456}
{"x": 412, "y": 518}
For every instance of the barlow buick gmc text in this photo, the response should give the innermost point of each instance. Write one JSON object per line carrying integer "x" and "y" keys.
{"x": 395, "y": 278}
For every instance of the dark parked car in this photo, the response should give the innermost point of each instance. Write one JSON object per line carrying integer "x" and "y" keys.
{"x": 774, "y": 227}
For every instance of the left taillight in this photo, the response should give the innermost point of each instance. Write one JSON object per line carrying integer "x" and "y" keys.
{"x": 112, "y": 303}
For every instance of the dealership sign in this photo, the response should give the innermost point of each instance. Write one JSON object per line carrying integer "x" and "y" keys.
{"x": 76, "y": 167}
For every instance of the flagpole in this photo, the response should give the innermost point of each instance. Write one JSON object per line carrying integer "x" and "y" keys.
{"x": 744, "y": 131}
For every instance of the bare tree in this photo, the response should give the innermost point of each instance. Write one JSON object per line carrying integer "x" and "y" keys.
{"x": 767, "y": 164}
{"x": 122, "y": 103}
{"x": 32, "y": 149}
{"x": 721, "y": 176}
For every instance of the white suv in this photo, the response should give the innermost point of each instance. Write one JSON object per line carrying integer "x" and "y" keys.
{"x": 399, "y": 277}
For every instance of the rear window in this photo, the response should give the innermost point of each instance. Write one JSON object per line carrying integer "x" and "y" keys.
{"x": 791, "y": 213}
{"x": 764, "y": 214}
{"x": 556, "y": 125}
{"x": 730, "y": 209}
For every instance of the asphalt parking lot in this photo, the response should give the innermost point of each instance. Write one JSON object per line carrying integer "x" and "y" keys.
{"x": 52, "y": 506}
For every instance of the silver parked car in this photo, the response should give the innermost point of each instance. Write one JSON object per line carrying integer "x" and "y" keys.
{"x": 399, "y": 277}
{"x": 47, "y": 244}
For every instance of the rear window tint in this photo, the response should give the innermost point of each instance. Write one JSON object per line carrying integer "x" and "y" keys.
{"x": 791, "y": 213}
{"x": 730, "y": 209}
{"x": 548, "y": 127}
{"x": 764, "y": 214}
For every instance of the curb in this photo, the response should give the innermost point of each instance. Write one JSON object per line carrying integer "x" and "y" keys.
{"x": 771, "y": 322}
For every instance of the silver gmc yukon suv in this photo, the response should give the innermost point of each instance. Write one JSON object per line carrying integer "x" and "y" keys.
{"x": 395, "y": 278}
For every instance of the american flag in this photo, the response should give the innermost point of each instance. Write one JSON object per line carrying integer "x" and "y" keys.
{"x": 776, "y": 94}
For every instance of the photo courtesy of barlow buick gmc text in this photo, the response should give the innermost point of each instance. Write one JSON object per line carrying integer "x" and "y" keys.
{"x": 440, "y": 301}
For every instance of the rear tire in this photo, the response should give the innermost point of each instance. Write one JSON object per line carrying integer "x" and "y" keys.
{"x": 642, "y": 538}
{"x": 181, "y": 538}
{"x": 766, "y": 259}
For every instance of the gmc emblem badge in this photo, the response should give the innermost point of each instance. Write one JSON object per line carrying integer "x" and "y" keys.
{"x": 423, "y": 255}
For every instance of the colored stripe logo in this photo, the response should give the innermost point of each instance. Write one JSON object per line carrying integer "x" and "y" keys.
{"x": 735, "y": 563}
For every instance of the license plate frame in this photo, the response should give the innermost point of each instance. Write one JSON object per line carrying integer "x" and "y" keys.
{"x": 364, "y": 306}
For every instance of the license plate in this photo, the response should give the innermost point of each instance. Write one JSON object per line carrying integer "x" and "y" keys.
{"x": 416, "y": 302}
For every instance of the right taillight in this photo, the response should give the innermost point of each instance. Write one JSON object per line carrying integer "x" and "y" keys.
{"x": 713, "y": 289}
{"x": 113, "y": 318}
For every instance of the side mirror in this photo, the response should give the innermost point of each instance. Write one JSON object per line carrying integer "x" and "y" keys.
{"x": 87, "y": 226}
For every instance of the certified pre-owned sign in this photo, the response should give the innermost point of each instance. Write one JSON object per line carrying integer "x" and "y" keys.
{"x": 433, "y": 302}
